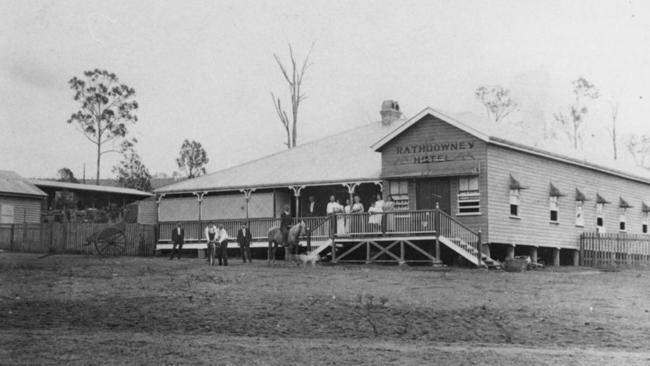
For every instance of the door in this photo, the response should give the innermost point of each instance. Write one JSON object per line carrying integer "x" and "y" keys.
{"x": 431, "y": 191}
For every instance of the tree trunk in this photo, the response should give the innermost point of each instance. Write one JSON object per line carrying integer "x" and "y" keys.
{"x": 614, "y": 142}
{"x": 99, "y": 156}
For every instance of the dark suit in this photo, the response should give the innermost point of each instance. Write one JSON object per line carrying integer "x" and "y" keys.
{"x": 245, "y": 244}
{"x": 285, "y": 223}
{"x": 178, "y": 239}
{"x": 316, "y": 211}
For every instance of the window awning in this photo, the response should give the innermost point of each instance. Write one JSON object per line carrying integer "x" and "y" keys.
{"x": 600, "y": 199}
{"x": 623, "y": 203}
{"x": 514, "y": 184}
{"x": 580, "y": 196}
{"x": 644, "y": 207}
{"x": 554, "y": 191}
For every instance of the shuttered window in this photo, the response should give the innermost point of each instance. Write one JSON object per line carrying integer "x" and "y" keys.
{"x": 600, "y": 222}
{"x": 399, "y": 191}
{"x": 580, "y": 218}
{"x": 514, "y": 203}
{"x": 469, "y": 197}
{"x": 553, "y": 209}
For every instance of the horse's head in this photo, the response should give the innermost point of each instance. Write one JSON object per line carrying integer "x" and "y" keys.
{"x": 303, "y": 227}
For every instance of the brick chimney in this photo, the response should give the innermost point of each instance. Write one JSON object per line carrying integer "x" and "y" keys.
{"x": 389, "y": 112}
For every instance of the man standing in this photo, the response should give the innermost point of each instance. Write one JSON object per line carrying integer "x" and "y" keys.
{"x": 285, "y": 223}
{"x": 244, "y": 239}
{"x": 314, "y": 208}
{"x": 222, "y": 241}
{"x": 178, "y": 239}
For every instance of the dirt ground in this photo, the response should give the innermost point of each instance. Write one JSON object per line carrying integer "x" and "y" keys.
{"x": 73, "y": 309}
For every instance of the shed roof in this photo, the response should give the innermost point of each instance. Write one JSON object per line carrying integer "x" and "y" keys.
{"x": 351, "y": 156}
{"x": 90, "y": 187}
{"x": 13, "y": 184}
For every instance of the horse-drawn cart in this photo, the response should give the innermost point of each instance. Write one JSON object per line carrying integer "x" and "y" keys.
{"x": 109, "y": 242}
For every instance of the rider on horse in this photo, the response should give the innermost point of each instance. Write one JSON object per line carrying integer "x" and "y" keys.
{"x": 285, "y": 223}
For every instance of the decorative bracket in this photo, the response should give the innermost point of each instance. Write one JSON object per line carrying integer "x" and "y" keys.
{"x": 351, "y": 187}
{"x": 159, "y": 198}
{"x": 199, "y": 195}
{"x": 296, "y": 190}
{"x": 247, "y": 192}
{"x": 380, "y": 184}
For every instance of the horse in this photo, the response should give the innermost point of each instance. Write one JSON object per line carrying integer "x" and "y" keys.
{"x": 277, "y": 238}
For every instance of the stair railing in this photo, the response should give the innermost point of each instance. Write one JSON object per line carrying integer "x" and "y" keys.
{"x": 453, "y": 229}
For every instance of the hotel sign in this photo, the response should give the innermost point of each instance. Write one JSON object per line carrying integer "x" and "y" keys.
{"x": 434, "y": 152}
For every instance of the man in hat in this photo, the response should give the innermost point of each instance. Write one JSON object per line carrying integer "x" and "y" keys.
{"x": 178, "y": 239}
{"x": 244, "y": 239}
{"x": 286, "y": 220}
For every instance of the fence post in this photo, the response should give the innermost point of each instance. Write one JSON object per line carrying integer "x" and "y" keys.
{"x": 11, "y": 239}
{"x": 24, "y": 235}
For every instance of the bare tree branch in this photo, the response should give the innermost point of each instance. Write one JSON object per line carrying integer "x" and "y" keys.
{"x": 294, "y": 80}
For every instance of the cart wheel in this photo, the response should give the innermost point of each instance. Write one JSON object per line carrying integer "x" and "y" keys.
{"x": 111, "y": 245}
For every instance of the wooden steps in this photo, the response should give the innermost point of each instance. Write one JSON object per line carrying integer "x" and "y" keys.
{"x": 469, "y": 252}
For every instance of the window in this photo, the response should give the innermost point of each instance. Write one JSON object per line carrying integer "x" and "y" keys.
{"x": 6, "y": 214}
{"x": 622, "y": 222}
{"x": 553, "y": 208}
{"x": 580, "y": 217}
{"x": 514, "y": 203}
{"x": 399, "y": 191}
{"x": 644, "y": 228}
{"x": 599, "y": 215}
{"x": 469, "y": 197}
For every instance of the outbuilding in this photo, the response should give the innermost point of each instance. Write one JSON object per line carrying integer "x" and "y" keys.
{"x": 20, "y": 200}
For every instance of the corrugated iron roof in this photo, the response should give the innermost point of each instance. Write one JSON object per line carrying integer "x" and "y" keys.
{"x": 351, "y": 156}
{"x": 14, "y": 184}
{"x": 90, "y": 187}
{"x": 343, "y": 157}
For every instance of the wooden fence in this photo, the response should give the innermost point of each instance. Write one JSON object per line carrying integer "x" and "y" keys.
{"x": 614, "y": 249}
{"x": 70, "y": 238}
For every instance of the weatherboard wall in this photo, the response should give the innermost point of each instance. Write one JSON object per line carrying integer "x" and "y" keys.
{"x": 535, "y": 173}
{"x": 18, "y": 210}
{"x": 432, "y": 148}
{"x": 216, "y": 207}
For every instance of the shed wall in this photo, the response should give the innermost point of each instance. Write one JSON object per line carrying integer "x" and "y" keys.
{"x": 147, "y": 213}
{"x": 24, "y": 210}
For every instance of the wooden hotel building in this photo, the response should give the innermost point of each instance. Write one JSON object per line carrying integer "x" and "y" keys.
{"x": 464, "y": 191}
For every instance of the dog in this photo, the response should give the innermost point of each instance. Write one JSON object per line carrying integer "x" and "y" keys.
{"x": 305, "y": 258}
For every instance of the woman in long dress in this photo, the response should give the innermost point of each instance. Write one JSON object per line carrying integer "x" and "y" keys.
{"x": 375, "y": 217}
{"x": 340, "y": 218}
{"x": 358, "y": 223}
{"x": 389, "y": 206}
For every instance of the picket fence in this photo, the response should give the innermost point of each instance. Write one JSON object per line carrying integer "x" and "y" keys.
{"x": 56, "y": 237}
{"x": 618, "y": 249}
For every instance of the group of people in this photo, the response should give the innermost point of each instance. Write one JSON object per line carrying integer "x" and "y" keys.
{"x": 379, "y": 219}
{"x": 217, "y": 243}
{"x": 347, "y": 224}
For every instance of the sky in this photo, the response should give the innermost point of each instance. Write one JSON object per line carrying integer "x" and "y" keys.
{"x": 204, "y": 70}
